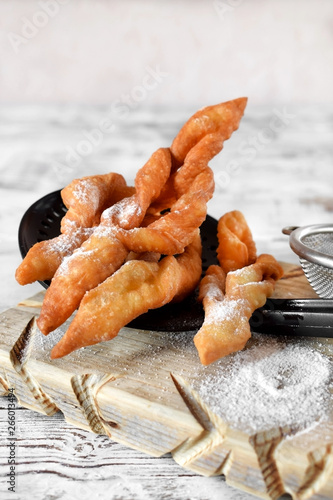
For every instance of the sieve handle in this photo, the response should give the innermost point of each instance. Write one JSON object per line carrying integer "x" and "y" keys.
{"x": 301, "y": 317}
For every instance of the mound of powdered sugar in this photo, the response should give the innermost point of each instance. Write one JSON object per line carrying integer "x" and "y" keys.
{"x": 269, "y": 385}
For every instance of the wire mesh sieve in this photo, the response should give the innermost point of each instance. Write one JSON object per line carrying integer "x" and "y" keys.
{"x": 314, "y": 246}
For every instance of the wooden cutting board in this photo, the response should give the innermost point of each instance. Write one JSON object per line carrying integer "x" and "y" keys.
{"x": 145, "y": 389}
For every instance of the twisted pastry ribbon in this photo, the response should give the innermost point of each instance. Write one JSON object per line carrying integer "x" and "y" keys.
{"x": 139, "y": 285}
{"x": 85, "y": 198}
{"x": 232, "y": 291}
{"x": 102, "y": 253}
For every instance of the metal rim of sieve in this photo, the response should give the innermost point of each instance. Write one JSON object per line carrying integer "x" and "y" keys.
{"x": 297, "y": 234}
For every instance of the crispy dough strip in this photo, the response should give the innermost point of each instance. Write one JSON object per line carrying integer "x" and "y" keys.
{"x": 171, "y": 233}
{"x": 134, "y": 289}
{"x": 44, "y": 258}
{"x": 214, "y": 125}
{"x": 236, "y": 246}
{"x": 226, "y": 326}
{"x": 220, "y": 117}
{"x": 85, "y": 199}
{"x": 102, "y": 254}
{"x": 200, "y": 139}
{"x": 92, "y": 263}
{"x": 149, "y": 181}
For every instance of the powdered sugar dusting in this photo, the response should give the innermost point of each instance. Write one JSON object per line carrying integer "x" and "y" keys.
{"x": 226, "y": 310}
{"x": 126, "y": 213}
{"x": 87, "y": 193}
{"x": 104, "y": 231}
{"x": 269, "y": 385}
{"x": 65, "y": 266}
{"x": 66, "y": 243}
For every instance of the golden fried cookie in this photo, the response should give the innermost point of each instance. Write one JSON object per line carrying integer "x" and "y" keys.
{"x": 226, "y": 326}
{"x": 236, "y": 247}
{"x": 138, "y": 286}
{"x": 85, "y": 199}
{"x": 103, "y": 253}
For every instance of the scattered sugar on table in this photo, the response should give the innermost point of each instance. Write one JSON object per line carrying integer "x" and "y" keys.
{"x": 270, "y": 384}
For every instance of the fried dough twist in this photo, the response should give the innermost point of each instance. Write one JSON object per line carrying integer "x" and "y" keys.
{"x": 229, "y": 301}
{"x": 88, "y": 197}
{"x": 171, "y": 233}
{"x": 199, "y": 140}
{"x": 191, "y": 185}
{"x": 135, "y": 288}
{"x": 102, "y": 253}
{"x": 85, "y": 198}
{"x": 236, "y": 247}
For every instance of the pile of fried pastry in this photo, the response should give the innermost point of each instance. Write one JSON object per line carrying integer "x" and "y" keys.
{"x": 124, "y": 250}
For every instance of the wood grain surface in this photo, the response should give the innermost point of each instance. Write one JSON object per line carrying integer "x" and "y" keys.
{"x": 139, "y": 390}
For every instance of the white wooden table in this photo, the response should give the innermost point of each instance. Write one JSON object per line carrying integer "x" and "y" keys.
{"x": 277, "y": 169}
